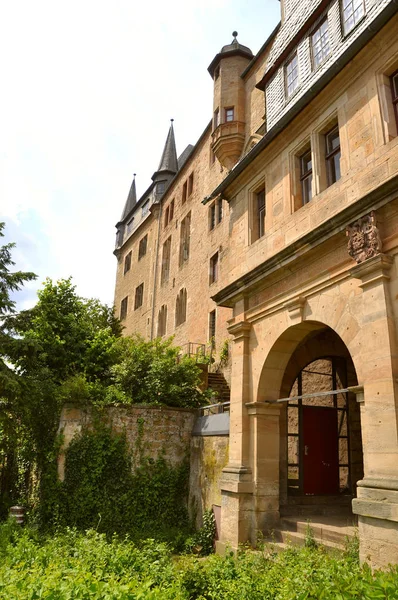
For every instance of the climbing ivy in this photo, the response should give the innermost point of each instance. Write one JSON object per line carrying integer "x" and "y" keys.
{"x": 101, "y": 491}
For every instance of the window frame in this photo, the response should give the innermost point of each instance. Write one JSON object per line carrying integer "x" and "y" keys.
{"x": 313, "y": 55}
{"x": 162, "y": 321}
{"x": 214, "y": 268}
{"x": 190, "y": 184}
{"x": 394, "y": 95}
{"x": 184, "y": 192}
{"x": 231, "y": 110}
{"x": 212, "y": 328}
{"x": 181, "y": 307}
{"x": 329, "y": 157}
{"x": 130, "y": 225}
{"x": 139, "y": 296}
{"x": 123, "y": 308}
{"x": 185, "y": 237}
{"x": 261, "y": 211}
{"x": 127, "y": 262}
{"x": 166, "y": 260}
{"x": 142, "y": 246}
{"x": 305, "y": 176}
{"x": 286, "y": 72}
{"x": 343, "y": 20}
{"x": 216, "y": 118}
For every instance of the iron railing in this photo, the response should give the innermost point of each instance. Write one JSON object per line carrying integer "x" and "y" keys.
{"x": 214, "y": 409}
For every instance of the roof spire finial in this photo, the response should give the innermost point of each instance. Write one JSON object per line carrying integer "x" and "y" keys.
{"x": 235, "y": 34}
{"x": 168, "y": 162}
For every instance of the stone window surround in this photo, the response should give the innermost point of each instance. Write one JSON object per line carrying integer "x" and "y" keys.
{"x": 258, "y": 185}
{"x": 127, "y": 262}
{"x": 316, "y": 140}
{"x": 162, "y": 321}
{"x": 215, "y": 213}
{"x": 139, "y": 296}
{"x": 123, "y": 308}
{"x": 385, "y": 95}
{"x": 142, "y": 246}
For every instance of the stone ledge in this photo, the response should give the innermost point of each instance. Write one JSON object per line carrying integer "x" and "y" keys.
{"x": 375, "y": 509}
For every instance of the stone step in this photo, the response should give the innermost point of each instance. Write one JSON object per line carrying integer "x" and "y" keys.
{"x": 283, "y": 540}
{"x": 316, "y": 510}
{"x": 328, "y": 529}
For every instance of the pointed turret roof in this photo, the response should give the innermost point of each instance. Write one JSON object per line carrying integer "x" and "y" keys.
{"x": 232, "y": 49}
{"x": 168, "y": 162}
{"x": 131, "y": 200}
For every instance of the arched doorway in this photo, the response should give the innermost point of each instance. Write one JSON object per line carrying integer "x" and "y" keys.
{"x": 321, "y": 444}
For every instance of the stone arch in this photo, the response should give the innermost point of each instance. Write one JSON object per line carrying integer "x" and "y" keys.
{"x": 274, "y": 377}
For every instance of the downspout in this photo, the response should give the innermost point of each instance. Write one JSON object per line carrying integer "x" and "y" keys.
{"x": 155, "y": 275}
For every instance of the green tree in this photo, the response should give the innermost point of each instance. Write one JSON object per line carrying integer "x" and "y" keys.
{"x": 11, "y": 427}
{"x": 155, "y": 373}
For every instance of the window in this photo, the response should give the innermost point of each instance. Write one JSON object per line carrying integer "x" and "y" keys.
{"x": 130, "y": 225}
{"x": 181, "y": 307}
{"x": 219, "y": 210}
{"x": 160, "y": 187}
{"x": 332, "y": 155}
{"x": 162, "y": 321}
{"x": 216, "y": 73}
{"x": 142, "y": 247}
{"x": 166, "y": 256}
{"x": 215, "y": 213}
{"x": 171, "y": 216}
{"x": 216, "y": 118}
{"x": 123, "y": 308}
{"x": 320, "y": 44}
{"x": 353, "y": 11}
{"x": 260, "y": 214}
{"x": 291, "y": 75}
{"x": 145, "y": 208}
{"x": 213, "y": 275}
{"x": 190, "y": 184}
{"x": 139, "y": 296}
{"x": 127, "y": 262}
{"x": 306, "y": 176}
{"x": 212, "y": 328}
{"x": 212, "y": 216}
{"x": 185, "y": 235}
{"x": 166, "y": 216}
{"x": 184, "y": 193}
{"x": 394, "y": 91}
{"x": 229, "y": 114}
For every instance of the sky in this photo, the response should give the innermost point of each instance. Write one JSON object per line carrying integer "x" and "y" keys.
{"x": 88, "y": 91}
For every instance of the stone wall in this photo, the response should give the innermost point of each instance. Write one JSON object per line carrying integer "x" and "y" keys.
{"x": 155, "y": 431}
{"x": 209, "y": 455}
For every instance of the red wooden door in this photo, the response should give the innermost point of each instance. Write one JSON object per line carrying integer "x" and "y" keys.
{"x": 320, "y": 449}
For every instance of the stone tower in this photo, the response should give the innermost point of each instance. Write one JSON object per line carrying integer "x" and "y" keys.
{"x": 229, "y": 101}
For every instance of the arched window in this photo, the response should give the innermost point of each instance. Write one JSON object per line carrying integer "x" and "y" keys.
{"x": 162, "y": 321}
{"x": 181, "y": 307}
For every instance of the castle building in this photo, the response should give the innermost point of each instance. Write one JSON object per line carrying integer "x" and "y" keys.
{"x": 279, "y": 231}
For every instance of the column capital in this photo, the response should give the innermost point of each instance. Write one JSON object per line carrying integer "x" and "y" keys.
{"x": 240, "y": 330}
{"x": 374, "y": 270}
{"x": 263, "y": 408}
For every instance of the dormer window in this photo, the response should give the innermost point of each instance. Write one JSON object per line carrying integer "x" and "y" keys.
{"x": 320, "y": 44}
{"x": 229, "y": 114}
{"x": 130, "y": 225}
{"x": 160, "y": 187}
{"x": 353, "y": 11}
{"x": 291, "y": 75}
{"x": 145, "y": 208}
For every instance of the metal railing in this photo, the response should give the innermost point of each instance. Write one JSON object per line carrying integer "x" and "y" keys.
{"x": 200, "y": 352}
{"x": 214, "y": 409}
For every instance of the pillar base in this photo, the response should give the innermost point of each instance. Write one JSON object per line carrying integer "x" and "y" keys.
{"x": 377, "y": 510}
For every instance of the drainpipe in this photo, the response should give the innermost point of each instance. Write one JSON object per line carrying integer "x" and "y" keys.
{"x": 155, "y": 275}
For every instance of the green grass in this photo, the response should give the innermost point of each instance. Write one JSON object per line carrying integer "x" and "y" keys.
{"x": 71, "y": 565}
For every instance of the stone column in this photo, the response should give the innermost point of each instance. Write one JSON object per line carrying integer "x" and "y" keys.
{"x": 265, "y": 449}
{"x": 377, "y": 501}
{"x": 236, "y": 483}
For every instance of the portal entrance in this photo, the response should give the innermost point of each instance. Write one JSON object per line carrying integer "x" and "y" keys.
{"x": 318, "y": 430}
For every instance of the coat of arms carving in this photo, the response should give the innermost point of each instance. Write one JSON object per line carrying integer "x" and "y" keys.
{"x": 363, "y": 238}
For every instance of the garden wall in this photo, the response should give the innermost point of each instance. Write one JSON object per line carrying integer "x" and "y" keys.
{"x": 169, "y": 432}
{"x": 150, "y": 430}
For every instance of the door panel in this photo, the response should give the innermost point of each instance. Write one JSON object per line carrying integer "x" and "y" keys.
{"x": 320, "y": 451}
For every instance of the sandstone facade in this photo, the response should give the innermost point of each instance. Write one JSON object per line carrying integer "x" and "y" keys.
{"x": 300, "y": 266}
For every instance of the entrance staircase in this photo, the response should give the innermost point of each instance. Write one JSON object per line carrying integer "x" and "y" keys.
{"x": 332, "y": 532}
{"x": 217, "y": 382}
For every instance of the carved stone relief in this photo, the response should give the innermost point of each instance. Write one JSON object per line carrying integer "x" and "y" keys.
{"x": 364, "y": 238}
